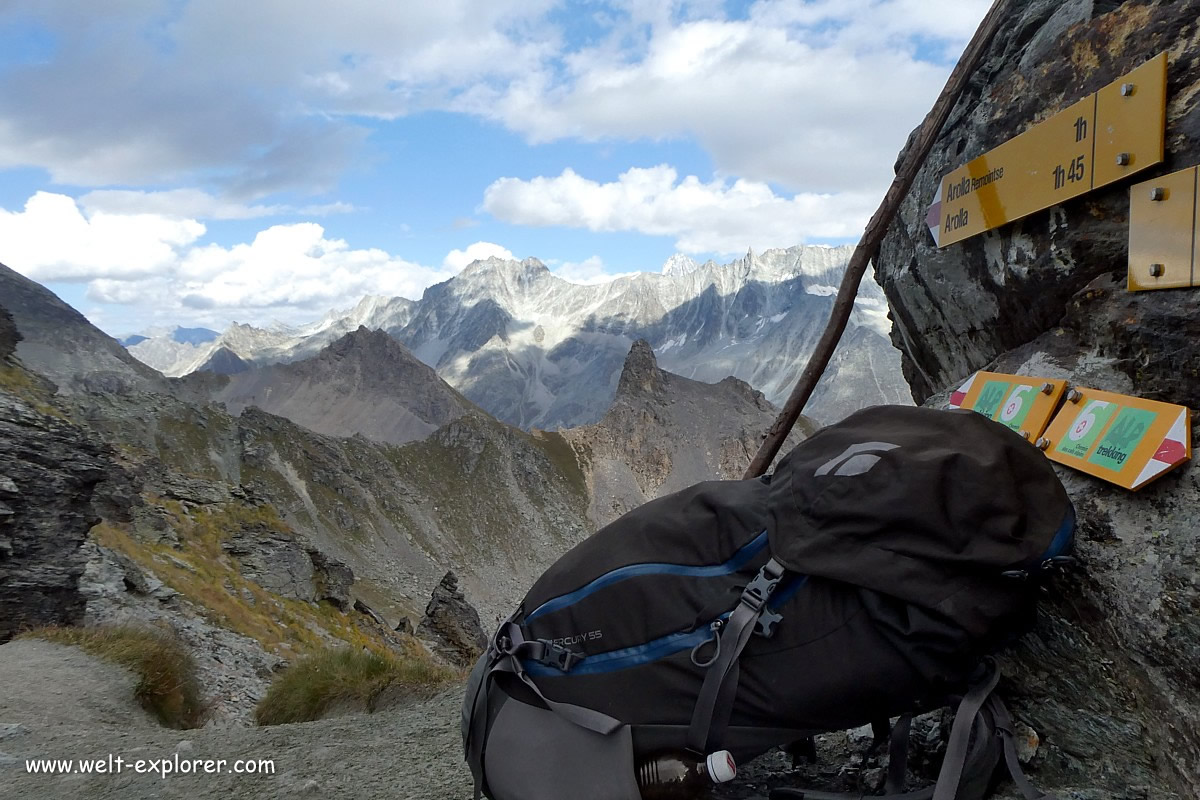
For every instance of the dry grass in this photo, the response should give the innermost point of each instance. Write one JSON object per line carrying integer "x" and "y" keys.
{"x": 167, "y": 684}
{"x": 344, "y": 676}
{"x": 30, "y": 388}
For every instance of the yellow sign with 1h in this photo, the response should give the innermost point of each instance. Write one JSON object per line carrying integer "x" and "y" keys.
{"x": 1104, "y": 137}
{"x": 1124, "y": 440}
{"x": 1019, "y": 402}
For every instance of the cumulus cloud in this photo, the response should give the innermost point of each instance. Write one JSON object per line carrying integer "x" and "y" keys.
{"x": 813, "y": 94}
{"x": 295, "y": 267}
{"x": 714, "y": 217}
{"x": 151, "y": 92}
{"x": 51, "y": 239}
{"x": 157, "y": 265}
{"x": 457, "y": 259}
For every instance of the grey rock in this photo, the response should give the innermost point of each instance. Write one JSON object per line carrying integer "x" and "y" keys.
{"x": 274, "y": 559}
{"x": 1107, "y": 680}
{"x": 8, "y": 729}
{"x": 452, "y": 624}
{"x": 363, "y": 608}
{"x": 332, "y": 579}
{"x": 190, "y": 489}
{"x": 7, "y": 487}
{"x": 957, "y": 308}
{"x": 64, "y": 473}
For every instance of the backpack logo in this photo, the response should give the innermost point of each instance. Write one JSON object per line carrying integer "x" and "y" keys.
{"x": 857, "y": 459}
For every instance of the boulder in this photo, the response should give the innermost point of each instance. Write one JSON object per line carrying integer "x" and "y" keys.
{"x": 1108, "y": 680}
{"x": 452, "y": 624}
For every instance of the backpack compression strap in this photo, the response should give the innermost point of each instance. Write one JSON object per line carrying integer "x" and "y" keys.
{"x": 504, "y": 655}
{"x": 971, "y": 737}
{"x": 720, "y": 682}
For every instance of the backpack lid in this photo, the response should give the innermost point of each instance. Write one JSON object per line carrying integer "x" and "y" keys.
{"x": 926, "y": 505}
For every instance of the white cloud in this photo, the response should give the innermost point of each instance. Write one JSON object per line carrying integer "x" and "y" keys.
{"x": 156, "y": 265}
{"x": 53, "y": 240}
{"x": 814, "y": 94}
{"x": 294, "y": 267}
{"x": 714, "y": 217}
{"x": 480, "y": 251}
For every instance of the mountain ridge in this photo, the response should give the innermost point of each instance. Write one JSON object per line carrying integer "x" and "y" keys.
{"x": 535, "y": 350}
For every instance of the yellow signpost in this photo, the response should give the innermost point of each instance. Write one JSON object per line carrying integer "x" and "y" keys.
{"x": 1124, "y": 440}
{"x": 1022, "y": 403}
{"x": 1103, "y": 138}
{"x": 1163, "y": 225}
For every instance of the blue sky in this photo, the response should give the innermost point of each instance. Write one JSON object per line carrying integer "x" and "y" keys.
{"x": 197, "y": 162}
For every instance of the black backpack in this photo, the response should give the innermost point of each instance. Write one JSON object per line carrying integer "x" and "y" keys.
{"x": 867, "y": 578}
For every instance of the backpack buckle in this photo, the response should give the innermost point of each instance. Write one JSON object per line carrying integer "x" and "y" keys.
{"x": 759, "y": 590}
{"x": 557, "y": 656}
{"x": 764, "y": 626}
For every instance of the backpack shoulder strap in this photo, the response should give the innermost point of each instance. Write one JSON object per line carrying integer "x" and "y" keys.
{"x": 721, "y": 679}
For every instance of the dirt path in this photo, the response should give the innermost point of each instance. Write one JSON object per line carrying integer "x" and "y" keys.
{"x": 59, "y": 703}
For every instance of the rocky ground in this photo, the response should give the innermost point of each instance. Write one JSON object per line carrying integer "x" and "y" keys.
{"x": 58, "y": 703}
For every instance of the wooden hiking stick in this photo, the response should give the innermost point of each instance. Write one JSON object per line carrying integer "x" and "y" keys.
{"x": 872, "y": 236}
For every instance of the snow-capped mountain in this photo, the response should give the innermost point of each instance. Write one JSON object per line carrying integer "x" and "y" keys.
{"x": 537, "y": 351}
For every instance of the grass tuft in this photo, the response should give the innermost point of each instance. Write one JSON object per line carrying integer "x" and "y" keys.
{"x": 358, "y": 678}
{"x": 167, "y": 684}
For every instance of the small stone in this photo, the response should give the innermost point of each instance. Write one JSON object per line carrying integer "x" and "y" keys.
{"x": 7, "y": 486}
{"x": 7, "y": 761}
{"x": 861, "y": 735}
{"x": 184, "y": 746}
{"x": 1027, "y": 742}
{"x": 873, "y": 779}
{"x": 310, "y": 785}
{"x": 8, "y": 729}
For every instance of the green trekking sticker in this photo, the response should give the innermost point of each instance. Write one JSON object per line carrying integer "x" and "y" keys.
{"x": 1123, "y": 438}
{"x": 1017, "y": 407}
{"x": 1086, "y": 428}
{"x": 991, "y": 397}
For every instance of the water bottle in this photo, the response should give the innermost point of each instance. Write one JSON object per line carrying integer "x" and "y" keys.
{"x": 674, "y": 776}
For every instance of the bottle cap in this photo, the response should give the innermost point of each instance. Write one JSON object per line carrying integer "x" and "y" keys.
{"x": 721, "y": 767}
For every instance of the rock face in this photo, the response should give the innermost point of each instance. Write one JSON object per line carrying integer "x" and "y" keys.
{"x": 957, "y": 308}
{"x": 452, "y": 624}
{"x": 280, "y": 562}
{"x": 1110, "y": 677}
{"x": 51, "y": 494}
{"x": 60, "y": 344}
{"x": 664, "y": 433}
{"x": 365, "y": 383}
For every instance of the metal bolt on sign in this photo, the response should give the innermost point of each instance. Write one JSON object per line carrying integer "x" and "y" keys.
{"x": 1122, "y": 159}
{"x": 1127, "y": 89}
{"x": 1156, "y": 270}
{"x": 1047, "y": 388}
{"x": 1042, "y": 443}
{"x": 1074, "y": 396}
{"x": 1158, "y": 194}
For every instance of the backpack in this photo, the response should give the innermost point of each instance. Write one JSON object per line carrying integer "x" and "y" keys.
{"x": 867, "y": 578}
